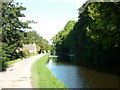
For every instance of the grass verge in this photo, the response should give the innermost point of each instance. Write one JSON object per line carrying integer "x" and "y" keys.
{"x": 42, "y": 77}
{"x": 13, "y": 61}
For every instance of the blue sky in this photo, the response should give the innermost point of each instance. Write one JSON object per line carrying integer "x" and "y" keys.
{"x": 51, "y": 15}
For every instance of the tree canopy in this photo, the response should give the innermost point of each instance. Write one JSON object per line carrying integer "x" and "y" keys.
{"x": 59, "y": 41}
{"x": 34, "y": 37}
{"x": 13, "y": 33}
{"x": 95, "y": 37}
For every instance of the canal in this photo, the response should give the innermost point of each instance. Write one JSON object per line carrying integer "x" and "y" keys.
{"x": 74, "y": 76}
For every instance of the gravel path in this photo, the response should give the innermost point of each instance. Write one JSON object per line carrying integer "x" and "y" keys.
{"x": 19, "y": 74}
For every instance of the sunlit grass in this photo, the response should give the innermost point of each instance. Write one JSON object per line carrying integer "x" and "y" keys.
{"x": 42, "y": 77}
{"x": 13, "y": 61}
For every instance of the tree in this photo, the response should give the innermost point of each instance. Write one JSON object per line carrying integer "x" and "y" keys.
{"x": 105, "y": 30}
{"x": 12, "y": 33}
{"x": 94, "y": 38}
{"x": 60, "y": 42}
{"x": 34, "y": 37}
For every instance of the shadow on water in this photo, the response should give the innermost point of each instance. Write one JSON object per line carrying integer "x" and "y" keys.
{"x": 110, "y": 67}
{"x": 105, "y": 67}
{"x": 82, "y": 76}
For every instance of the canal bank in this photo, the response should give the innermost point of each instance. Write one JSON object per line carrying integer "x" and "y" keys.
{"x": 75, "y": 76}
{"x": 42, "y": 76}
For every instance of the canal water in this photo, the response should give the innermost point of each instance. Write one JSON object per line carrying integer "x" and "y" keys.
{"x": 74, "y": 76}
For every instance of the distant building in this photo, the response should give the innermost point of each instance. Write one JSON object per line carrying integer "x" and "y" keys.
{"x": 31, "y": 48}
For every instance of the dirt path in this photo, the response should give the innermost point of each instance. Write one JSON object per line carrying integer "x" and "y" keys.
{"x": 19, "y": 75}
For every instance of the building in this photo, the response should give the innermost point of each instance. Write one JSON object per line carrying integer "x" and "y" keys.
{"x": 31, "y": 48}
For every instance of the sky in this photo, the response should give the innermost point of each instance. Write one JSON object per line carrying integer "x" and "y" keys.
{"x": 51, "y": 15}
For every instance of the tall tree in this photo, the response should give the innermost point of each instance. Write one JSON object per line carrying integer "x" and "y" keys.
{"x": 59, "y": 41}
{"x": 95, "y": 36}
{"x": 12, "y": 33}
{"x": 105, "y": 30}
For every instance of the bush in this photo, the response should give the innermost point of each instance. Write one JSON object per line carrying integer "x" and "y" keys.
{"x": 25, "y": 52}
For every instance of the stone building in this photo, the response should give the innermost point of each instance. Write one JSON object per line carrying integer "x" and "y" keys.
{"x": 31, "y": 48}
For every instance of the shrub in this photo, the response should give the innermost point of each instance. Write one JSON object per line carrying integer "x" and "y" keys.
{"x": 25, "y": 52}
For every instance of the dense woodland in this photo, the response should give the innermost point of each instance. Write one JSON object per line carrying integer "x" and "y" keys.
{"x": 14, "y": 33}
{"x": 94, "y": 39}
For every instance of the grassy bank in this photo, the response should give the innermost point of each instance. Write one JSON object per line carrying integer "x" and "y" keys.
{"x": 8, "y": 63}
{"x": 42, "y": 77}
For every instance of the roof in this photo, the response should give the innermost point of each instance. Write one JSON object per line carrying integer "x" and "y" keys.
{"x": 29, "y": 47}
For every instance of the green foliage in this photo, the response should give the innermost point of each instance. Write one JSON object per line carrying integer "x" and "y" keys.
{"x": 106, "y": 23}
{"x": 25, "y": 53}
{"x": 104, "y": 30}
{"x": 60, "y": 39}
{"x": 12, "y": 35}
{"x": 95, "y": 37}
{"x": 34, "y": 37}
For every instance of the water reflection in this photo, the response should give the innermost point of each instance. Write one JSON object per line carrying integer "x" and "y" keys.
{"x": 53, "y": 56}
{"x": 80, "y": 77}
{"x": 95, "y": 79}
{"x": 66, "y": 73}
